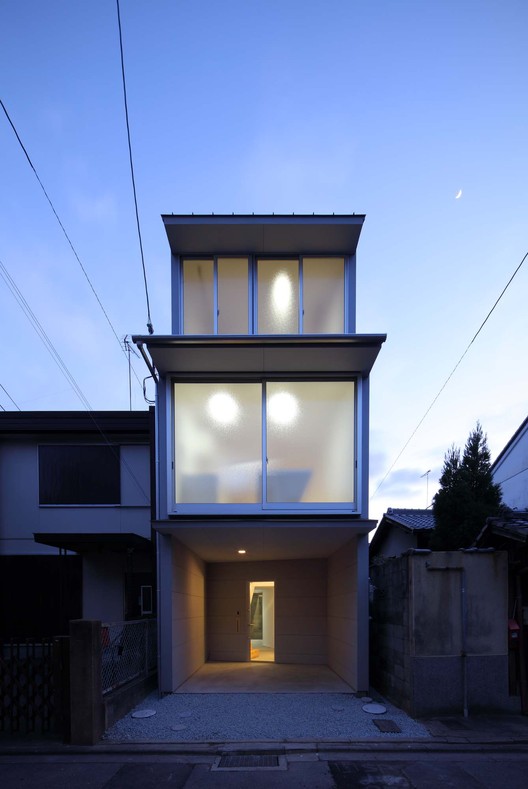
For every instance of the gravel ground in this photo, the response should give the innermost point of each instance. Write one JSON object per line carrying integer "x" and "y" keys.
{"x": 206, "y": 717}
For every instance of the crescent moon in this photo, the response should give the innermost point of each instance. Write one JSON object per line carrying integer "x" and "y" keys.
{"x": 458, "y": 194}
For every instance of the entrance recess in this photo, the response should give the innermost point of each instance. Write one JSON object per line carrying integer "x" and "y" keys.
{"x": 262, "y": 620}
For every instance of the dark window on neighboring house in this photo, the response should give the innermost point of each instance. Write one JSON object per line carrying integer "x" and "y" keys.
{"x": 79, "y": 475}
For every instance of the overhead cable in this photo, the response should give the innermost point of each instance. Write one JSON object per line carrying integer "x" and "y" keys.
{"x": 48, "y": 344}
{"x": 68, "y": 239}
{"x": 450, "y": 374}
{"x": 149, "y": 321}
{"x": 7, "y": 393}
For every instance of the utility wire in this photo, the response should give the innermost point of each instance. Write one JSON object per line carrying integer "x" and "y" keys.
{"x": 7, "y": 393}
{"x": 149, "y": 321}
{"x": 68, "y": 239}
{"x": 450, "y": 375}
{"x": 30, "y": 315}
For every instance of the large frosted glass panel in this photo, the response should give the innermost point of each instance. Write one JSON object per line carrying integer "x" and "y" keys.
{"x": 323, "y": 295}
{"x": 232, "y": 295}
{"x": 198, "y": 297}
{"x": 310, "y": 441}
{"x": 218, "y": 443}
{"x": 278, "y": 296}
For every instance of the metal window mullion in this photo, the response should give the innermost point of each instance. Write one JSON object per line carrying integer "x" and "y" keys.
{"x": 300, "y": 275}
{"x": 264, "y": 447}
{"x": 254, "y": 295}
{"x": 215, "y": 295}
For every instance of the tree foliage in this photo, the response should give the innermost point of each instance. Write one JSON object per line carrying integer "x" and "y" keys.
{"x": 467, "y": 494}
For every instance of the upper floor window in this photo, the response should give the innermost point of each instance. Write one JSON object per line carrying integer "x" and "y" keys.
{"x": 277, "y": 444}
{"x": 83, "y": 474}
{"x": 231, "y": 295}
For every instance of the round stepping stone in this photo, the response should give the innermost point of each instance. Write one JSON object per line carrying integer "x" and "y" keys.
{"x": 366, "y": 699}
{"x": 178, "y": 728}
{"x": 374, "y": 709}
{"x": 143, "y": 713}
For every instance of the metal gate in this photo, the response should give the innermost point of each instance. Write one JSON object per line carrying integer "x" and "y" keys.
{"x": 33, "y": 686}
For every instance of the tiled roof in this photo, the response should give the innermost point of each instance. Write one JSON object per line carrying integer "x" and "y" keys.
{"x": 413, "y": 520}
{"x": 513, "y": 525}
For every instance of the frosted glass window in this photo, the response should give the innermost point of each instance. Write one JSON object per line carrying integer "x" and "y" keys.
{"x": 310, "y": 441}
{"x": 198, "y": 296}
{"x": 232, "y": 296}
{"x": 323, "y": 295}
{"x": 218, "y": 443}
{"x": 278, "y": 296}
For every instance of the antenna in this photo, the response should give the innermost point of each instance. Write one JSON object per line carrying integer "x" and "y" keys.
{"x": 426, "y": 475}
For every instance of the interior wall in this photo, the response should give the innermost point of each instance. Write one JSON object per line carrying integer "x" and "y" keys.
{"x": 300, "y": 609}
{"x": 343, "y": 613}
{"x": 188, "y": 613}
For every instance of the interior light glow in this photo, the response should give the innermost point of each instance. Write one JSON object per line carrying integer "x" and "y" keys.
{"x": 241, "y": 550}
{"x": 283, "y": 408}
{"x": 223, "y": 408}
{"x": 281, "y": 293}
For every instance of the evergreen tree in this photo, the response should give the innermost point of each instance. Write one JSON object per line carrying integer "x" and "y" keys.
{"x": 467, "y": 494}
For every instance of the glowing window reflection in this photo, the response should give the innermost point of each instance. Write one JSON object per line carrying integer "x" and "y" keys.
{"x": 283, "y": 408}
{"x": 223, "y": 408}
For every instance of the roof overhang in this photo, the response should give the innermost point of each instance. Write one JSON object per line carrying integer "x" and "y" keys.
{"x": 263, "y": 234}
{"x": 264, "y": 540}
{"x": 94, "y": 543}
{"x": 343, "y": 354}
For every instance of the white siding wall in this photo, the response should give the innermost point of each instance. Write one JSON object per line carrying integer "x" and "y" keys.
{"x": 343, "y": 613}
{"x": 512, "y": 473}
{"x": 188, "y": 613}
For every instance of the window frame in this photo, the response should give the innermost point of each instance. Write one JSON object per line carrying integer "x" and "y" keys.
{"x": 252, "y": 291}
{"x": 263, "y": 507}
{"x": 115, "y": 450}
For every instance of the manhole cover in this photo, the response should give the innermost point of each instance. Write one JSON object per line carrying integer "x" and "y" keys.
{"x": 250, "y": 762}
{"x": 374, "y": 709}
{"x": 143, "y": 713}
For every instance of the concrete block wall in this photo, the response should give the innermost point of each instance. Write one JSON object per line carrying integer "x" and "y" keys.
{"x": 418, "y": 656}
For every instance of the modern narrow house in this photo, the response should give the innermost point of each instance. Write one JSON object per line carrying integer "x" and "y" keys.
{"x": 262, "y": 443}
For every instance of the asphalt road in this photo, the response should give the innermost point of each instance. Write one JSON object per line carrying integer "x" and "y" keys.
{"x": 495, "y": 768}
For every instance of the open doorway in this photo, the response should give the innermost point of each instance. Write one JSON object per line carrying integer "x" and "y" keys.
{"x": 262, "y": 620}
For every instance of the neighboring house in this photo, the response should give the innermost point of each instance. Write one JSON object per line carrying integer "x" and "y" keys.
{"x": 75, "y": 519}
{"x": 262, "y": 446}
{"x": 510, "y": 470}
{"x": 401, "y": 530}
{"x": 509, "y": 532}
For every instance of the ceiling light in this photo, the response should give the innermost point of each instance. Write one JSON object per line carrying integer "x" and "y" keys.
{"x": 241, "y": 550}
{"x": 283, "y": 408}
{"x": 223, "y": 408}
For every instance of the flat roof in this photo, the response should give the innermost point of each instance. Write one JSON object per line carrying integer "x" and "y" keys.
{"x": 262, "y": 354}
{"x": 263, "y": 234}
{"x": 24, "y": 422}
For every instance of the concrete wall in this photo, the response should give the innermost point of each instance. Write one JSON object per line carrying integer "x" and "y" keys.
{"x": 300, "y": 609}
{"x": 342, "y": 613}
{"x": 188, "y": 613}
{"x": 418, "y": 643}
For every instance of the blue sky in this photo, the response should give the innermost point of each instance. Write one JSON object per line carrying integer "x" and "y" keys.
{"x": 385, "y": 108}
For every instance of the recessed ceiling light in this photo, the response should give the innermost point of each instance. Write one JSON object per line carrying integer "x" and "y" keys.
{"x": 241, "y": 550}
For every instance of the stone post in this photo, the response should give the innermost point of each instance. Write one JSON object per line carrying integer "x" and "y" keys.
{"x": 86, "y": 698}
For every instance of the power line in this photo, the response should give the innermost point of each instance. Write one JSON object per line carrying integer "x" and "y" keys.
{"x": 7, "y": 393}
{"x": 30, "y": 315}
{"x": 68, "y": 239}
{"x": 450, "y": 375}
{"x": 149, "y": 321}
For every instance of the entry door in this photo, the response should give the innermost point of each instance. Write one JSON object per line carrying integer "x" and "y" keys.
{"x": 262, "y": 620}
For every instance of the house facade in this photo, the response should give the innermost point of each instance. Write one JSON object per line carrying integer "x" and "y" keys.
{"x": 75, "y": 520}
{"x": 510, "y": 469}
{"x": 262, "y": 431}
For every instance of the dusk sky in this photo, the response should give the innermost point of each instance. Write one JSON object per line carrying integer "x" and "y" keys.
{"x": 390, "y": 108}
